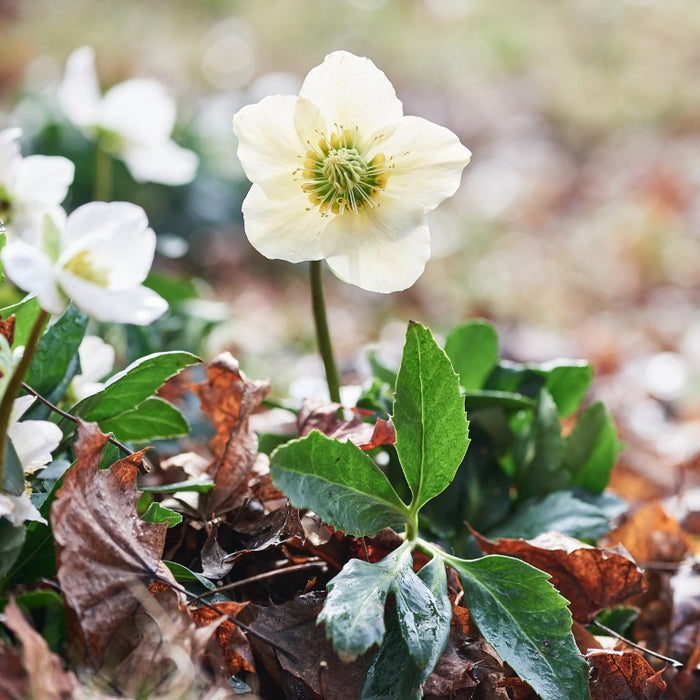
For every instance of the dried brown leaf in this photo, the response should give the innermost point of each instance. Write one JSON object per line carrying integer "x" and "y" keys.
{"x": 685, "y": 616}
{"x": 623, "y": 675}
{"x": 590, "y": 578}
{"x": 7, "y": 328}
{"x": 103, "y": 547}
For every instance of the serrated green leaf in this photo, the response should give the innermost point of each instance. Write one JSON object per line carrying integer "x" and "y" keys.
{"x": 527, "y": 622}
{"x": 55, "y": 360}
{"x": 591, "y": 448}
{"x": 11, "y": 541}
{"x": 432, "y": 431}
{"x": 130, "y": 387}
{"x": 26, "y": 312}
{"x": 156, "y": 513}
{"x": 567, "y": 382}
{"x": 354, "y": 607}
{"x": 339, "y": 482}
{"x": 152, "y": 419}
{"x": 473, "y": 351}
{"x": 13, "y": 473}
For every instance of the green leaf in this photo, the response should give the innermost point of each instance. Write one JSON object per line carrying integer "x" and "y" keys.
{"x": 591, "y": 448}
{"x": 432, "y": 431}
{"x": 3, "y": 240}
{"x": 55, "y": 360}
{"x": 473, "y": 351}
{"x": 152, "y": 419}
{"x": 202, "y": 484}
{"x": 49, "y": 608}
{"x": 185, "y": 575}
{"x": 11, "y": 541}
{"x": 13, "y": 473}
{"x": 130, "y": 387}
{"x": 527, "y": 622}
{"x": 339, "y": 482}
{"x": 156, "y": 513}
{"x": 567, "y": 382}
{"x": 354, "y": 608}
{"x": 26, "y": 313}
{"x": 502, "y": 399}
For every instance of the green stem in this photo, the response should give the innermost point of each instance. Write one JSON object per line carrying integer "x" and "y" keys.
{"x": 103, "y": 174}
{"x": 14, "y": 384}
{"x": 322, "y": 335}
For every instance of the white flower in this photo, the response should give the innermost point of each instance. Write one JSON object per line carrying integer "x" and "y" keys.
{"x": 340, "y": 173}
{"x": 33, "y": 440}
{"x": 29, "y": 187}
{"x": 133, "y": 120}
{"x": 98, "y": 257}
{"x": 17, "y": 509}
{"x": 96, "y": 362}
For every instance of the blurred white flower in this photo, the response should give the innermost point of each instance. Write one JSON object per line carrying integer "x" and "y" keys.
{"x": 33, "y": 440}
{"x": 133, "y": 120}
{"x": 340, "y": 173}
{"x": 29, "y": 187}
{"x": 98, "y": 257}
{"x": 17, "y": 509}
{"x": 96, "y": 362}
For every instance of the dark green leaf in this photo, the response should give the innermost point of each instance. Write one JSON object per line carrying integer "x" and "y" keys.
{"x": 527, "y": 622}
{"x": 432, "y": 431}
{"x": 26, "y": 313}
{"x": 185, "y": 575}
{"x": 157, "y": 513}
{"x": 592, "y": 448}
{"x": 13, "y": 474}
{"x": 48, "y": 608}
{"x": 502, "y": 399}
{"x": 338, "y": 482}
{"x": 152, "y": 419}
{"x": 202, "y": 484}
{"x": 11, "y": 541}
{"x": 567, "y": 382}
{"x": 473, "y": 351}
{"x": 130, "y": 387}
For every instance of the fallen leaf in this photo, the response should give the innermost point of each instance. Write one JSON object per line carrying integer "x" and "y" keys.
{"x": 7, "y": 329}
{"x": 623, "y": 675}
{"x": 588, "y": 577}
{"x": 684, "y": 630}
{"x": 103, "y": 548}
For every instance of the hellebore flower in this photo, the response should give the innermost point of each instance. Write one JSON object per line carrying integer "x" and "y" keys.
{"x": 33, "y": 440}
{"x": 97, "y": 257}
{"x": 96, "y": 362}
{"x": 30, "y": 187}
{"x": 133, "y": 120}
{"x": 339, "y": 173}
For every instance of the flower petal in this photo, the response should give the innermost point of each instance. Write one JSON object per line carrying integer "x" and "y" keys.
{"x": 428, "y": 161}
{"x": 9, "y": 155}
{"x": 269, "y": 147}
{"x": 381, "y": 250}
{"x": 165, "y": 162}
{"x": 351, "y": 91}
{"x": 139, "y": 110}
{"x": 31, "y": 270}
{"x": 79, "y": 91}
{"x": 138, "y": 305}
{"x": 96, "y": 358}
{"x": 44, "y": 180}
{"x": 286, "y": 229}
{"x": 34, "y": 441}
{"x": 17, "y": 509}
{"x": 20, "y": 406}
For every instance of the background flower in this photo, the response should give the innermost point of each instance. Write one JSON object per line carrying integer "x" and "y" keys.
{"x": 133, "y": 120}
{"x": 33, "y": 440}
{"x": 98, "y": 257}
{"x": 30, "y": 187}
{"x": 339, "y": 173}
{"x": 96, "y": 362}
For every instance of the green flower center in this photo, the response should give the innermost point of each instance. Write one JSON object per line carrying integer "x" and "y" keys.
{"x": 82, "y": 265}
{"x": 339, "y": 178}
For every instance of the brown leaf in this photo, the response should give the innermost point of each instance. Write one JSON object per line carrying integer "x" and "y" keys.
{"x": 36, "y": 672}
{"x": 7, "y": 328}
{"x": 231, "y": 639}
{"x": 103, "y": 548}
{"x": 623, "y": 675}
{"x": 323, "y": 416}
{"x": 588, "y": 577}
{"x": 685, "y": 616}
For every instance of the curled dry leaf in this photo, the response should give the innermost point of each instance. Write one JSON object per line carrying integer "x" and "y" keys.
{"x": 323, "y": 416}
{"x": 7, "y": 328}
{"x": 35, "y": 672}
{"x": 623, "y": 675}
{"x": 103, "y": 548}
{"x": 588, "y": 577}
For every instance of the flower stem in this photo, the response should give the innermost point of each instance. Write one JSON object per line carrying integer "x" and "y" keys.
{"x": 14, "y": 384}
{"x": 103, "y": 174}
{"x": 322, "y": 335}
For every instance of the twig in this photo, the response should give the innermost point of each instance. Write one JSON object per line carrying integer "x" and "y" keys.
{"x": 644, "y": 650}
{"x": 260, "y": 577}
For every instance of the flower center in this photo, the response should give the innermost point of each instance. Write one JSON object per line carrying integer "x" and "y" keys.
{"x": 338, "y": 177}
{"x": 81, "y": 265}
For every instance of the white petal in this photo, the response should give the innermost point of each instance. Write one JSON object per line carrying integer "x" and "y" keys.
{"x": 31, "y": 270}
{"x": 17, "y": 509}
{"x": 20, "y": 406}
{"x": 287, "y": 229}
{"x": 96, "y": 358}
{"x": 9, "y": 156}
{"x": 351, "y": 91}
{"x": 44, "y": 180}
{"x": 139, "y": 110}
{"x": 381, "y": 250}
{"x": 428, "y": 162}
{"x": 138, "y": 305}
{"x": 268, "y": 145}
{"x": 34, "y": 441}
{"x": 79, "y": 91}
{"x": 166, "y": 163}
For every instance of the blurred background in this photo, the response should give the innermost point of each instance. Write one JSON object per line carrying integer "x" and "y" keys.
{"x": 576, "y": 229}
